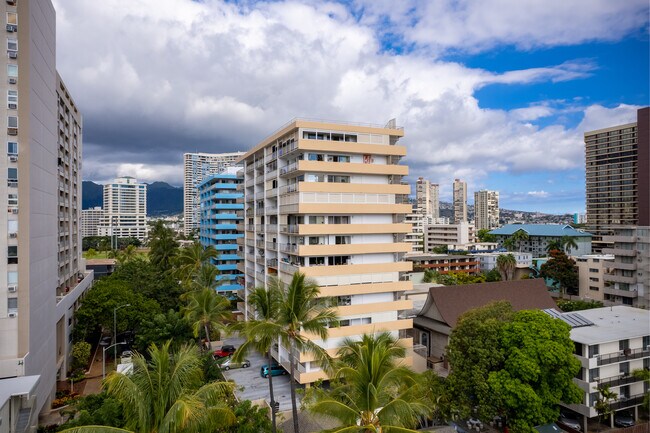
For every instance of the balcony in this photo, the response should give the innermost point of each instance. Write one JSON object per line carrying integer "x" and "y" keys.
{"x": 272, "y": 263}
{"x": 619, "y": 279}
{"x": 623, "y": 355}
{"x": 288, "y": 267}
{"x": 621, "y": 379}
{"x": 611, "y": 290}
{"x": 289, "y": 168}
{"x": 290, "y": 228}
{"x": 619, "y": 252}
{"x": 271, "y": 246}
{"x": 289, "y": 248}
{"x": 624, "y": 402}
{"x": 259, "y": 243}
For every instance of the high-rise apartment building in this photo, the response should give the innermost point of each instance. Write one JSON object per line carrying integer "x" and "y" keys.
{"x": 91, "y": 219}
{"x": 427, "y": 198}
{"x": 222, "y": 209}
{"x": 486, "y": 209}
{"x": 618, "y": 177}
{"x": 125, "y": 209}
{"x": 460, "y": 201}
{"x": 327, "y": 200}
{"x": 627, "y": 280}
{"x": 40, "y": 259}
{"x": 196, "y": 167}
{"x": 437, "y": 235}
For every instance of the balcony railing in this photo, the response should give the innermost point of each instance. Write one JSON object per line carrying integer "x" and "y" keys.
{"x": 622, "y": 379}
{"x": 623, "y": 355}
{"x": 272, "y": 263}
{"x": 289, "y": 228}
{"x": 289, "y": 168}
{"x": 288, "y": 267}
{"x": 624, "y": 402}
{"x": 289, "y": 248}
{"x": 271, "y": 245}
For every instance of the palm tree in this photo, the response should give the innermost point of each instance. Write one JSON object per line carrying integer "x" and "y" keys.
{"x": 569, "y": 242}
{"x": 166, "y": 394}
{"x": 207, "y": 310}
{"x": 301, "y": 311}
{"x": 206, "y": 277}
{"x": 190, "y": 259}
{"x": 509, "y": 244}
{"x": 370, "y": 391}
{"x": 163, "y": 246}
{"x": 506, "y": 264}
{"x": 127, "y": 254}
{"x": 519, "y": 237}
{"x": 553, "y": 245}
{"x": 262, "y": 331}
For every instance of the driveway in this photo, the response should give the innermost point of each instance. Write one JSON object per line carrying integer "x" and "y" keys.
{"x": 251, "y": 386}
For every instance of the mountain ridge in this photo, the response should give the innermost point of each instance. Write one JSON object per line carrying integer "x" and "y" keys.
{"x": 162, "y": 198}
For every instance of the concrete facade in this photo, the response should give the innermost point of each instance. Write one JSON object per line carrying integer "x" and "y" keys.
{"x": 91, "y": 219}
{"x": 486, "y": 209}
{"x": 460, "y": 201}
{"x": 125, "y": 209}
{"x": 327, "y": 200}
{"x": 427, "y": 198}
{"x": 436, "y": 235}
{"x": 196, "y": 167}
{"x": 540, "y": 235}
{"x": 591, "y": 275}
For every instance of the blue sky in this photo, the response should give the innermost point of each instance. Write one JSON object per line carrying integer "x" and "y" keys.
{"x": 496, "y": 92}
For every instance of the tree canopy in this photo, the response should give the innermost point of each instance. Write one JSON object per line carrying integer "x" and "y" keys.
{"x": 563, "y": 271}
{"x": 514, "y": 364}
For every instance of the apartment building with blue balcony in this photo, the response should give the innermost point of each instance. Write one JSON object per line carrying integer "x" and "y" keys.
{"x": 219, "y": 215}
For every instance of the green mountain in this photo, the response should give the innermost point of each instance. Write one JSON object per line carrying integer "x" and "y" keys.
{"x": 162, "y": 198}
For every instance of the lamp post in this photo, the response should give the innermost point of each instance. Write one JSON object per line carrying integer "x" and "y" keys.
{"x": 104, "y": 357}
{"x": 115, "y": 329}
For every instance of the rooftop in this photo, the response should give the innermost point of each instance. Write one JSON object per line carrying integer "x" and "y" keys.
{"x": 558, "y": 230}
{"x": 15, "y": 386}
{"x": 615, "y": 323}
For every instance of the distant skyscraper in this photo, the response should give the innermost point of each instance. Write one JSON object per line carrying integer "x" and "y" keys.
{"x": 486, "y": 209}
{"x": 196, "y": 167}
{"x": 125, "y": 209}
{"x": 41, "y": 263}
{"x": 618, "y": 177}
{"x": 427, "y": 198}
{"x": 460, "y": 201}
{"x": 91, "y": 219}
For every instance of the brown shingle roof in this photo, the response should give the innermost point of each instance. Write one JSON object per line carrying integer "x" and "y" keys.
{"x": 453, "y": 301}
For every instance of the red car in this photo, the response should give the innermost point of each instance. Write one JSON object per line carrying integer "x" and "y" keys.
{"x": 224, "y": 351}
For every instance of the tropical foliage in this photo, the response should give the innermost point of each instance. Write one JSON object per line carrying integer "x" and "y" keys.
{"x": 206, "y": 311}
{"x": 506, "y": 265}
{"x": 562, "y": 270}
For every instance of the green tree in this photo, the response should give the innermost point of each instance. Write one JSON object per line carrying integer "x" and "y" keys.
{"x": 249, "y": 419}
{"x": 493, "y": 276}
{"x": 563, "y": 271}
{"x": 302, "y": 313}
{"x": 430, "y": 276}
{"x": 519, "y": 237}
{"x": 370, "y": 391}
{"x": 604, "y": 403}
{"x": 206, "y": 277}
{"x": 96, "y": 409}
{"x": 127, "y": 254}
{"x": 262, "y": 331}
{"x": 484, "y": 235}
{"x": 166, "y": 394}
{"x": 91, "y": 253}
{"x": 162, "y": 246}
{"x": 644, "y": 375}
{"x": 208, "y": 310}
{"x": 171, "y": 326}
{"x": 440, "y": 249}
{"x": 506, "y": 265}
{"x": 577, "y": 305}
{"x": 80, "y": 355}
{"x": 190, "y": 259}
{"x": 509, "y": 244}
{"x": 518, "y": 365}
{"x": 568, "y": 243}
{"x": 553, "y": 245}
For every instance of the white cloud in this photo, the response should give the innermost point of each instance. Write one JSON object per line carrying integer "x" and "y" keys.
{"x": 537, "y": 194}
{"x": 156, "y": 78}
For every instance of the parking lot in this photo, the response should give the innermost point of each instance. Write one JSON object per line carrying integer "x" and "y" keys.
{"x": 252, "y": 386}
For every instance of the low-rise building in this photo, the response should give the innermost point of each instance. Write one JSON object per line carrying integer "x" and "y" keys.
{"x": 628, "y": 281}
{"x": 540, "y": 235}
{"x": 488, "y": 261}
{"x": 610, "y": 343}
{"x": 436, "y": 235}
{"x": 444, "y": 263}
{"x": 591, "y": 271}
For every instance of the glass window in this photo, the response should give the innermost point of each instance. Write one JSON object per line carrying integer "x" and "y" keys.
{"x": 12, "y": 148}
{"x": 12, "y": 71}
{"x": 12, "y": 251}
{"x": 12, "y": 122}
{"x": 12, "y": 303}
{"x": 12, "y": 173}
{"x": 12, "y": 96}
{"x": 12, "y": 277}
{"x": 593, "y": 350}
{"x": 12, "y": 44}
{"x": 12, "y": 18}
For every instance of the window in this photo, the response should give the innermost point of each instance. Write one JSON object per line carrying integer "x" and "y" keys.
{"x": 593, "y": 270}
{"x": 12, "y": 122}
{"x": 594, "y": 373}
{"x": 12, "y": 97}
{"x": 624, "y": 368}
{"x": 316, "y": 219}
{"x": 338, "y": 158}
{"x": 315, "y": 156}
{"x": 339, "y": 220}
{"x": 12, "y": 71}
{"x": 12, "y": 45}
{"x": 342, "y": 240}
{"x": 594, "y": 288}
{"x": 12, "y": 254}
{"x": 338, "y": 260}
{"x": 623, "y": 344}
{"x": 12, "y": 304}
{"x": 12, "y": 148}
{"x": 12, "y": 278}
{"x": 344, "y": 300}
{"x": 12, "y": 174}
{"x": 12, "y": 18}
{"x": 646, "y": 342}
{"x": 338, "y": 179}
{"x": 593, "y": 350}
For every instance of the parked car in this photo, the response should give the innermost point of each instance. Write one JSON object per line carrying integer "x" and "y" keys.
{"x": 105, "y": 341}
{"x": 570, "y": 420}
{"x": 276, "y": 370}
{"x": 229, "y": 363}
{"x": 623, "y": 419}
{"x": 224, "y": 351}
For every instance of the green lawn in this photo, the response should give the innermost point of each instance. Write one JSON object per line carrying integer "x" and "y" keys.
{"x": 104, "y": 254}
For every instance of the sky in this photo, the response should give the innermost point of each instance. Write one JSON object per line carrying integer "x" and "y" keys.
{"x": 496, "y": 92}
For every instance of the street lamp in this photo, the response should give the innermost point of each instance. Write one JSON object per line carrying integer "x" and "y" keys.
{"x": 115, "y": 329}
{"x": 104, "y": 349}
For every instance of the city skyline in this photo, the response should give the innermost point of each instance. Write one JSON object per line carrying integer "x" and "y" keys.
{"x": 488, "y": 106}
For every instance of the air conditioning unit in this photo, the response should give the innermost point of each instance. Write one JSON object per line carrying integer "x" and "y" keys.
{"x": 14, "y": 210}
{"x": 12, "y": 131}
{"x": 11, "y": 2}
{"x": 10, "y": 28}
{"x": 13, "y": 81}
{"x": 13, "y": 158}
{"x": 13, "y": 235}
{"x": 12, "y": 289}
{"x": 13, "y": 54}
{"x": 13, "y": 315}
{"x": 12, "y": 106}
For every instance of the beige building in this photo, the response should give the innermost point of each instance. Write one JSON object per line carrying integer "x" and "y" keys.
{"x": 327, "y": 200}
{"x": 460, "y": 201}
{"x": 618, "y": 177}
{"x": 125, "y": 209}
{"x": 427, "y": 198}
{"x": 91, "y": 219}
{"x": 42, "y": 267}
{"x": 196, "y": 167}
{"x": 628, "y": 280}
{"x": 486, "y": 209}
{"x": 591, "y": 275}
{"x": 436, "y": 235}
